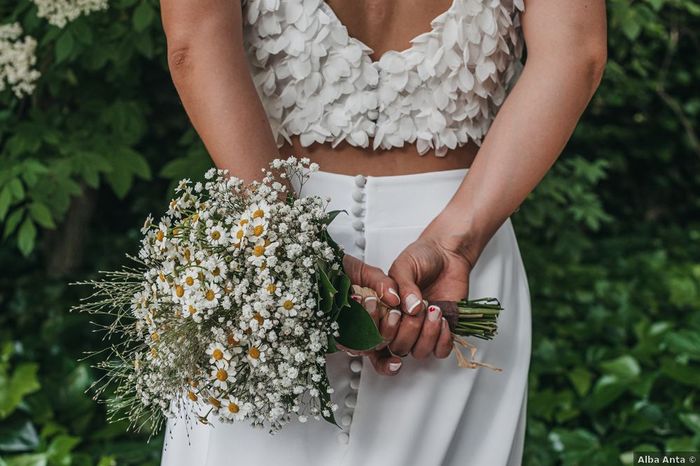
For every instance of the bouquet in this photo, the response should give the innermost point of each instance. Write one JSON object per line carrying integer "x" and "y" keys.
{"x": 236, "y": 296}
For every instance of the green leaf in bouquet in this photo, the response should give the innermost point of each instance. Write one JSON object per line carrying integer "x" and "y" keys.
{"x": 325, "y": 398}
{"x": 357, "y": 329}
{"x": 332, "y": 215}
{"x": 342, "y": 284}
{"x": 326, "y": 290}
{"x": 332, "y": 347}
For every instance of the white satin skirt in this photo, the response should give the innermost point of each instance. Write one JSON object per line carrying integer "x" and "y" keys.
{"x": 433, "y": 412}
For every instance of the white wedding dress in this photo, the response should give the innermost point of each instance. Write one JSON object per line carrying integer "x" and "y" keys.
{"x": 317, "y": 82}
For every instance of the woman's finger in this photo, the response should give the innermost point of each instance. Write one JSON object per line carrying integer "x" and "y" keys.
{"x": 384, "y": 362}
{"x": 372, "y": 277}
{"x": 407, "y": 335}
{"x": 389, "y": 324}
{"x": 443, "y": 348}
{"x": 402, "y": 272}
{"x": 425, "y": 345}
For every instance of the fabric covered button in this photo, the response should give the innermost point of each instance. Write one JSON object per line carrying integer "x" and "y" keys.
{"x": 358, "y": 225}
{"x": 357, "y": 210}
{"x": 360, "y": 243}
{"x": 358, "y": 196}
{"x": 360, "y": 181}
{"x": 351, "y": 400}
{"x": 355, "y": 383}
{"x": 356, "y": 365}
{"x": 343, "y": 438}
{"x": 346, "y": 420}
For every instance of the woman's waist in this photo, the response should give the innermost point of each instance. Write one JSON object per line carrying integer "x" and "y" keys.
{"x": 385, "y": 202}
{"x": 351, "y": 160}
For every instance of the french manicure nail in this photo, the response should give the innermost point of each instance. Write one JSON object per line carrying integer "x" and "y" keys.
{"x": 412, "y": 302}
{"x": 394, "y": 366}
{"x": 433, "y": 313}
{"x": 394, "y": 316}
{"x": 371, "y": 304}
{"x": 393, "y": 291}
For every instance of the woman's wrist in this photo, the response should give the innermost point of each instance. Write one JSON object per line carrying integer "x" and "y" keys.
{"x": 460, "y": 230}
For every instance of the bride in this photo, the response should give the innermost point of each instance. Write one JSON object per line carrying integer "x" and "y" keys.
{"x": 430, "y": 133}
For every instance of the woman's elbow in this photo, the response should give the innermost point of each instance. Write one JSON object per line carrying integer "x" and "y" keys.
{"x": 596, "y": 59}
{"x": 179, "y": 58}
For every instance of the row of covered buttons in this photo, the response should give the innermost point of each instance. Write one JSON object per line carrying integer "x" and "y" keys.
{"x": 351, "y": 398}
{"x": 358, "y": 224}
{"x": 358, "y": 210}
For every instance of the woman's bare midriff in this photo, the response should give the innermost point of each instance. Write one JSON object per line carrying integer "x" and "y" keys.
{"x": 350, "y": 160}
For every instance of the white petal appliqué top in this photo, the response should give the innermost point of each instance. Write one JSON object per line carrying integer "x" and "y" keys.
{"x": 317, "y": 82}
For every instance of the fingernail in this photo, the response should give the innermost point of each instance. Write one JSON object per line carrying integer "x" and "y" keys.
{"x": 394, "y": 316}
{"x": 356, "y": 298}
{"x": 394, "y": 366}
{"x": 433, "y": 313}
{"x": 412, "y": 302}
{"x": 371, "y": 304}
{"x": 354, "y": 355}
{"x": 393, "y": 291}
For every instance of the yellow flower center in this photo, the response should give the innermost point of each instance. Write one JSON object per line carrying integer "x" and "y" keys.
{"x": 259, "y": 318}
{"x": 288, "y": 304}
{"x": 258, "y": 213}
{"x": 254, "y": 353}
{"x": 216, "y": 272}
{"x": 239, "y": 234}
{"x": 161, "y": 276}
{"x": 221, "y": 375}
{"x": 154, "y": 352}
{"x": 192, "y": 310}
{"x": 217, "y": 354}
{"x": 192, "y": 395}
{"x": 215, "y": 235}
{"x": 210, "y": 295}
{"x": 258, "y": 230}
{"x": 233, "y": 408}
{"x": 179, "y": 291}
{"x": 243, "y": 222}
{"x": 259, "y": 250}
{"x": 155, "y": 336}
{"x": 189, "y": 281}
{"x": 160, "y": 235}
{"x": 271, "y": 288}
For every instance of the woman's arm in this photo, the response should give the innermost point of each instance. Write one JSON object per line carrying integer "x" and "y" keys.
{"x": 567, "y": 50}
{"x": 209, "y": 67}
{"x": 566, "y": 44}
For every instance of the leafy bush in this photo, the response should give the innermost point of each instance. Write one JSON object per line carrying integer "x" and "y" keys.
{"x": 609, "y": 238}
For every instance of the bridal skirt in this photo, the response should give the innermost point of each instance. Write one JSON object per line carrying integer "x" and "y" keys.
{"x": 432, "y": 412}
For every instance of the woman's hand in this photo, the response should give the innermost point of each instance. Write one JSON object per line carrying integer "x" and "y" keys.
{"x": 434, "y": 267}
{"x": 372, "y": 277}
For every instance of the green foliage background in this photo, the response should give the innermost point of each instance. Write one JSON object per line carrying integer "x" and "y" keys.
{"x": 610, "y": 239}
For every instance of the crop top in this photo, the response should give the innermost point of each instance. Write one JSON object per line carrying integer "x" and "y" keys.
{"x": 317, "y": 82}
